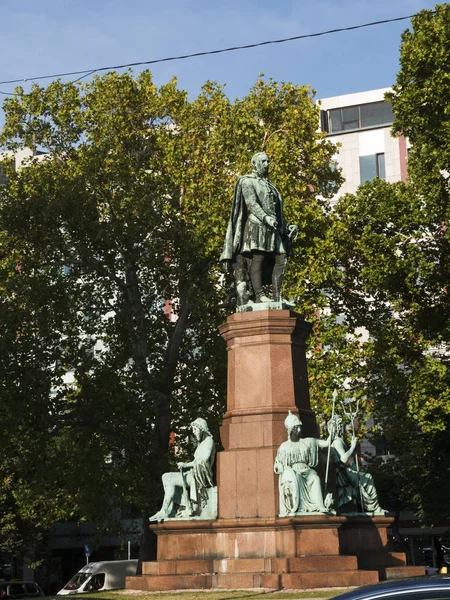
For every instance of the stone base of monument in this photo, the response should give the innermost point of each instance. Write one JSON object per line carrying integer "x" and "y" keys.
{"x": 277, "y": 553}
{"x": 366, "y": 537}
{"x": 248, "y": 546}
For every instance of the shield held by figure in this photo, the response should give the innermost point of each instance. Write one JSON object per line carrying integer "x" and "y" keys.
{"x": 289, "y": 490}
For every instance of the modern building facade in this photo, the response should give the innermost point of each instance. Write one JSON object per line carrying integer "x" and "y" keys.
{"x": 360, "y": 124}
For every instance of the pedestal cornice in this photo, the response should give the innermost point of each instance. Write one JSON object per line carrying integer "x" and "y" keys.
{"x": 283, "y": 322}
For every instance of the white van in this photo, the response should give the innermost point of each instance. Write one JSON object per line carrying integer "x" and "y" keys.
{"x": 98, "y": 576}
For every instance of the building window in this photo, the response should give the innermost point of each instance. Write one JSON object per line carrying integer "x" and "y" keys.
{"x": 381, "y": 166}
{"x": 3, "y": 177}
{"x": 372, "y": 166}
{"x": 362, "y": 116}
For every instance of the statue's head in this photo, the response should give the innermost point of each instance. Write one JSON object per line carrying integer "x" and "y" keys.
{"x": 335, "y": 426}
{"x": 260, "y": 164}
{"x": 200, "y": 426}
{"x": 292, "y": 424}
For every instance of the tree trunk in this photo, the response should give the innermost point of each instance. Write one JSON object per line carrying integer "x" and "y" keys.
{"x": 137, "y": 329}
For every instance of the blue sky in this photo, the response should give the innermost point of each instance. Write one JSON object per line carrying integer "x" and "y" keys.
{"x": 40, "y": 37}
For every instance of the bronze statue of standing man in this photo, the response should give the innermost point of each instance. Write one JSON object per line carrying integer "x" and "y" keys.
{"x": 258, "y": 240}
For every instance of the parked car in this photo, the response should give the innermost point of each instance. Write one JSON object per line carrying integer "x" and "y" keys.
{"x": 19, "y": 589}
{"x": 433, "y": 587}
{"x": 97, "y": 576}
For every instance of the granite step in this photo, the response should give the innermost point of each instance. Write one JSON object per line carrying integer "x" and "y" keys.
{"x": 331, "y": 562}
{"x": 161, "y": 583}
{"x": 377, "y": 560}
{"x": 324, "y": 562}
{"x": 401, "y": 572}
{"x": 178, "y": 567}
{"x": 305, "y": 581}
{"x": 243, "y": 580}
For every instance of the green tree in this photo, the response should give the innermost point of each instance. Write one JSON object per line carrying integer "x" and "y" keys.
{"x": 121, "y": 221}
{"x": 381, "y": 236}
{"x": 420, "y": 100}
{"x": 392, "y": 242}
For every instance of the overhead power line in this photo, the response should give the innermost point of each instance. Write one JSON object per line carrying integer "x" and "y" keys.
{"x": 86, "y": 72}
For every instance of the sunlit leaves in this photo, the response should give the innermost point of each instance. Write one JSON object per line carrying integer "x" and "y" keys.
{"x": 120, "y": 221}
{"x": 393, "y": 244}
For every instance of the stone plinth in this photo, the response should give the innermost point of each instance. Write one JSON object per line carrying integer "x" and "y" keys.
{"x": 248, "y": 546}
{"x": 267, "y": 372}
{"x": 295, "y": 552}
{"x": 267, "y": 377}
{"x": 289, "y": 553}
{"x": 366, "y": 538}
{"x": 248, "y": 538}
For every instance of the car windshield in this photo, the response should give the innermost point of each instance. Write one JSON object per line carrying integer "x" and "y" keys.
{"x": 77, "y": 581}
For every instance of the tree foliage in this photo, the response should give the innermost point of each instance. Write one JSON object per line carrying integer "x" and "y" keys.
{"x": 392, "y": 246}
{"x": 386, "y": 289}
{"x": 118, "y": 224}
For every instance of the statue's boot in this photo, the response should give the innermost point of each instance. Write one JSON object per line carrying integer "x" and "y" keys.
{"x": 277, "y": 284}
{"x": 256, "y": 278}
{"x": 158, "y": 516}
{"x": 278, "y": 277}
{"x": 242, "y": 293}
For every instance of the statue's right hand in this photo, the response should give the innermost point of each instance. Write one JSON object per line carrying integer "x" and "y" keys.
{"x": 271, "y": 222}
{"x": 278, "y": 468}
{"x": 181, "y": 465}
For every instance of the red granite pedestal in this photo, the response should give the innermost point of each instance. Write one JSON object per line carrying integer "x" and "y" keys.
{"x": 267, "y": 377}
{"x": 248, "y": 546}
